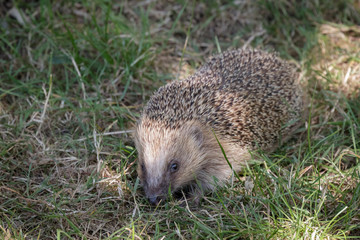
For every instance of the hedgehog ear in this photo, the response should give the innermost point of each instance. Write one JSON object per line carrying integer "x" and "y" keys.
{"x": 197, "y": 134}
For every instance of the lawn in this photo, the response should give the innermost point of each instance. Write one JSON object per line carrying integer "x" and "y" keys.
{"x": 74, "y": 76}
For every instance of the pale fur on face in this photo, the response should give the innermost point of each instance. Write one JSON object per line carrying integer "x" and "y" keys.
{"x": 193, "y": 147}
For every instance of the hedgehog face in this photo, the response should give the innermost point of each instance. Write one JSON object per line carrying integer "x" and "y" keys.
{"x": 169, "y": 159}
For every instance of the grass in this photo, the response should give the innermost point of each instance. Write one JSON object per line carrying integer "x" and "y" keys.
{"x": 75, "y": 75}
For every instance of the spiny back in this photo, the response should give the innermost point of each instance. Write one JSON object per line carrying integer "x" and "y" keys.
{"x": 244, "y": 95}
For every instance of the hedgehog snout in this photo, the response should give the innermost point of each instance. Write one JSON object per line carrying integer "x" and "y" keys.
{"x": 155, "y": 193}
{"x": 155, "y": 197}
{"x": 155, "y": 200}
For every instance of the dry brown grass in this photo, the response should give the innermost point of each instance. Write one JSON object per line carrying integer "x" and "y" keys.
{"x": 339, "y": 59}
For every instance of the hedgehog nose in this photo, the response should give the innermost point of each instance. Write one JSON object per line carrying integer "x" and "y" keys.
{"x": 154, "y": 200}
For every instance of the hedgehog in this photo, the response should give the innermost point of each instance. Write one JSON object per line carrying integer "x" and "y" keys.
{"x": 196, "y": 132}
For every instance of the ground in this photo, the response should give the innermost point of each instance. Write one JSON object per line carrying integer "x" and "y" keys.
{"x": 74, "y": 76}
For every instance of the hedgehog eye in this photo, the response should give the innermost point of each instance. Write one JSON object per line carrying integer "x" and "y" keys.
{"x": 143, "y": 167}
{"x": 174, "y": 167}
